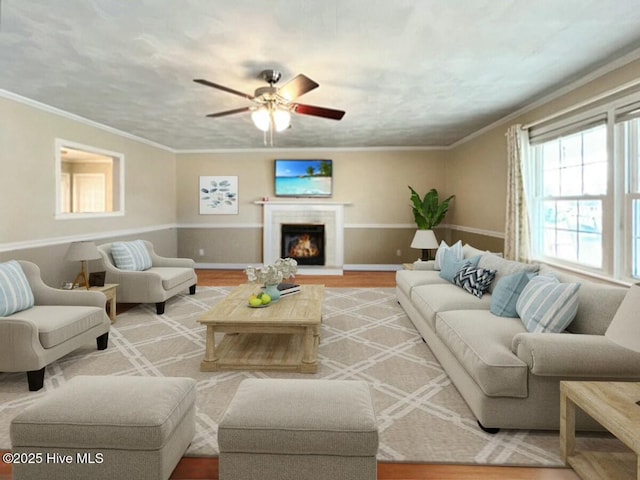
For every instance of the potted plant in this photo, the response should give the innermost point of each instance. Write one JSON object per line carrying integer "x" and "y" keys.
{"x": 427, "y": 212}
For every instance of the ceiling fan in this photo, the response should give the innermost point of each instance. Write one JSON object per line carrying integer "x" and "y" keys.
{"x": 274, "y": 105}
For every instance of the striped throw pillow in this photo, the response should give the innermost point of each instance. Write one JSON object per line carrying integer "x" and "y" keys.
{"x": 546, "y": 305}
{"x": 15, "y": 291}
{"x": 132, "y": 256}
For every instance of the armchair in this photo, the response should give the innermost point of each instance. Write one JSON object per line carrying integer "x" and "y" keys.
{"x": 59, "y": 322}
{"x": 166, "y": 278}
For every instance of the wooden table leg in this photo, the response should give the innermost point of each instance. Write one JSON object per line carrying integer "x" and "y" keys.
{"x": 210, "y": 362}
{"x": 567, "y": 425}
{"x": 112, "y": 308}
{"x": 307, "y": 345}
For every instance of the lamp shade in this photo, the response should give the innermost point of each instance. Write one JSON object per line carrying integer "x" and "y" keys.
{"x": 79, "y": 251}
{"x": 624, "y": 329}
{"x": 261, "y": 119}
{"x": 424, "y": 239}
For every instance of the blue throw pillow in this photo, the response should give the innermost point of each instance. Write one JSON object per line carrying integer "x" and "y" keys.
{"x": 546, "y": 305}
{"x": 506, "y": 293}
{"x": 451, "y": 264}
{"x": 131, "y": 255}
{"x": 15, "y": 291}
{"x": 474, "y": 280}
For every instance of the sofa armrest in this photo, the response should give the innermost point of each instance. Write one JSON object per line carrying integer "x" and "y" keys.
{"x": 573, "y": 355}
{"x": 20, "y": 348}
{"x": 159, "y": 261}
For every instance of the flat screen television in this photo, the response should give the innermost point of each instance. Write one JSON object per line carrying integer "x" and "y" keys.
{"x": 303, "y": 178}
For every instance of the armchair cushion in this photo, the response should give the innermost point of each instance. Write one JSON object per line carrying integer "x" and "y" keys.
{"x": 57, "y": 324}
{"x": 15, "y": 292}
{"x": 173, "y": 276}
{"x": 131, "y": 255}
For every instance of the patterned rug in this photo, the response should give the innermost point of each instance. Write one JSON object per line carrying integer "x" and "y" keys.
{"x": 365, "y": 336}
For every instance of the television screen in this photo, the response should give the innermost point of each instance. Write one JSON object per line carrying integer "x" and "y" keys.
{"x": 303, "y": 178}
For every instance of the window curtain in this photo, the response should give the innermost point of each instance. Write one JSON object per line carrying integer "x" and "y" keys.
{"x": 517, "y": 237}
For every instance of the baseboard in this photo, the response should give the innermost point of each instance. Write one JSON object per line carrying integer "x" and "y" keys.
{"x": 366, "y": 267}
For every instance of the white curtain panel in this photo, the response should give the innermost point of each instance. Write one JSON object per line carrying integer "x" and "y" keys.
{"x": 517, "y": 237}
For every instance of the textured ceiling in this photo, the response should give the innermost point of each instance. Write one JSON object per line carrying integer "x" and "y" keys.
{"x": 408, "y": 73}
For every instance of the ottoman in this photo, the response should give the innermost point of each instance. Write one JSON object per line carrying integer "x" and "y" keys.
{"x": 285, "y": 429}
{"x": 106, "y": 427}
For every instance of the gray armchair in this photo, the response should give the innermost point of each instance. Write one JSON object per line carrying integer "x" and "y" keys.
{"x": 60, "y": 322}
{"x": 166, "y": 278}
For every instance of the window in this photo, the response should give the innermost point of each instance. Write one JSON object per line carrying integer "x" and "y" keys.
{"x": 571, "y": 196}
{"x": 628, "y": 141}
{"x": 90, "y": 181}
{"x": 584, "y": 190}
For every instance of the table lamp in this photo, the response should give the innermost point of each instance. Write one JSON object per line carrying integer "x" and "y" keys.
{"x": 426, "y": 240}
{"x": 82, "y": 251}
{"x": 624, "y": 329}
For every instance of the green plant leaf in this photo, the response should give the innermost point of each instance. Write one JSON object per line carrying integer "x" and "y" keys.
{"x": 428, "y": 212}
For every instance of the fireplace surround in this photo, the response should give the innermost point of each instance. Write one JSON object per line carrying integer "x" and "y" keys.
{"x": 327, "y": 213}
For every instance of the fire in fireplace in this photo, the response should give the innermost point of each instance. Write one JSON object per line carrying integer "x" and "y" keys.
{"x": 304, "y": 243}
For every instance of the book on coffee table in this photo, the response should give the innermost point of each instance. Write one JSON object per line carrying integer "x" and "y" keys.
{"x": 288, "y": 288}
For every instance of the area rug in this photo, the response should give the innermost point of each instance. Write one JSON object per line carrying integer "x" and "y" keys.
{"x": 365, "y": 336}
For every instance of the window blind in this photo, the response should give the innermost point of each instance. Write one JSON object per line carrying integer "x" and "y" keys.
{"x": 547, "y": 132}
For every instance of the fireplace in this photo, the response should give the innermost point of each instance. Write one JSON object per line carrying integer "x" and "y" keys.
{"x": 303, "y": 242}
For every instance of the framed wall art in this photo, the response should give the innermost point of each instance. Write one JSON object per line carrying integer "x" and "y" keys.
{"x": 218, "y": 195}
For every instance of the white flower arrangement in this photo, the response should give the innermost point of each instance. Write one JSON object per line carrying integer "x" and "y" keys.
{"x": 281, "y": 269}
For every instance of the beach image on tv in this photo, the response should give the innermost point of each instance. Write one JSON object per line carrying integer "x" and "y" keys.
{"x": 303, "y": 177}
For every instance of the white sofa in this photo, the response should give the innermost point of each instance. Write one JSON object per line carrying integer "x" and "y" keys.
{"x": 508, "y": 376}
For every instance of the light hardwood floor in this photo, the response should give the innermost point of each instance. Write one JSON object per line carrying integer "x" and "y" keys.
{"x": 191, "y": 468}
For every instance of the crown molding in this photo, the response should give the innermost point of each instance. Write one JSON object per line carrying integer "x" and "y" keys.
{"x": 77, "y": 118}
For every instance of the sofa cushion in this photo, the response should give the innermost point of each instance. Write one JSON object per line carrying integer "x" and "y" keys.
{"x": 481, "y": 342}
{"x": 132, "y": 256}
{"x": 474, "y": 280}
{"x": 57, "y": 324}
{"x": 406, "y": 280}
{"x": 456, "y": 249}
{"x": 504, "y": 267}
{"x": 506, "y": 293}
{"x": 431, "y": 299}
{"x": 15, "y": 291}
{"x": 546, "y": 305}
{"x": 173, "y": 276}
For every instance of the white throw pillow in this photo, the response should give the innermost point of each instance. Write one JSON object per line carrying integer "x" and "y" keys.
{"x": 456, "y": 249}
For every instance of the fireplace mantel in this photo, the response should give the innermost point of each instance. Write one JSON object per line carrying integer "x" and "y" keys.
{"x": 329, "y": 213}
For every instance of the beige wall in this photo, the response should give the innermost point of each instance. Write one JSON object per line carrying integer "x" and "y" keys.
{"x": 27, "y": 186}
{"x": 378, "y": 220}
{"x": 476, "y": 169}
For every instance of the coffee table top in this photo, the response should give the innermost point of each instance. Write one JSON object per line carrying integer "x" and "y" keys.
{"x": 304, "y": 308}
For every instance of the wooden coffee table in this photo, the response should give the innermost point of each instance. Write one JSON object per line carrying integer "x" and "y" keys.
{"x": 282, "y": 336}
{"x": 613, "y": 405}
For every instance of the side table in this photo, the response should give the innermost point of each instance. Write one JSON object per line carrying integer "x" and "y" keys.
{"x": 613, "y": 405}
{"x": 109, "y": 290}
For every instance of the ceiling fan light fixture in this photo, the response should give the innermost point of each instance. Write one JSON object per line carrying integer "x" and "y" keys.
{"x": 261, "y": 119}
{"x": 281, "y": 119}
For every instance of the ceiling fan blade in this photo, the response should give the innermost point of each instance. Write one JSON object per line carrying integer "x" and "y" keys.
{"x": 223, "y": 88}
{"x": 297, "y": 86}
{"x": 318, "y": 111}
{"x": 229, "y": 112}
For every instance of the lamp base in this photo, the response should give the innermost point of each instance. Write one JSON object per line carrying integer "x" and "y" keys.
{"x": 81, "y": 278}
{"x": 425, "y": 254}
